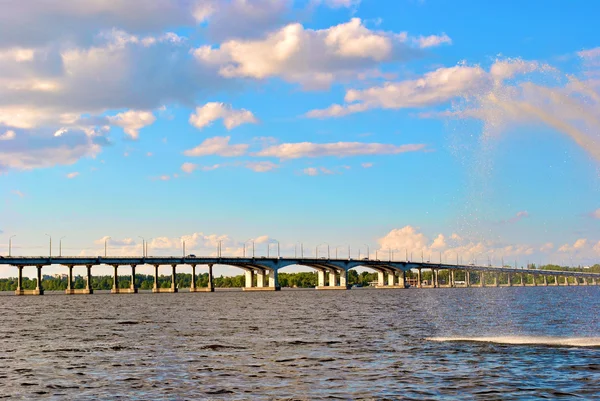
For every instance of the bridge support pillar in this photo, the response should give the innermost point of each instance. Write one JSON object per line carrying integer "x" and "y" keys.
{"x": 380, "y": 279}
{"x": 496, "y": 279}
{"x": 508, "y": 280}
{"x": 193, "y": 283}
{"x": 39, "y": 288}
{"x": 481, "y": 279}
{"x": 209, "y": 288}
{"x": 274, "y": 280}
{"x": 391, "y": 279}
{"x": 566, "y": 281}
{"x": 132, "y": 287}
{"x": 555, "y": 280}
{"x": 321, "y": 278}
{"x": 522, "y": 283}
{"x": 155, "y": 287}
{"x": 174, "y": 278}
{"x": 467, "y": 278}
{"x": 535, "y": 277}
{"x": 69, "y": 290}
{"x": 249, "y": 278}
{"x": 88, "y": 280}
{"x": 260, "y": 278}
{"x": 332, "y": 278}
{"x": 402, "y": 279}
{"x": 452, "y": 285}
{"x": 344, "y": 279}
{"x": 115, "y": 288}
{"x": 211, "y": 284}
{"x": 433, "y": 278}
{"x": 419, "y": 278}
{"x": 545, "y": 280}
{"x": 19, "y": 289}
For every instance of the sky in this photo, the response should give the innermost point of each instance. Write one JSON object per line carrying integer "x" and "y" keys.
{"x": 445, "y": 130}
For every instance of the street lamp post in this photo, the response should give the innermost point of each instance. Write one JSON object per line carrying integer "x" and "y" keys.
{"x": 219, "y": 248}
{"x": 105, "y": 240}
{"x": 60, "y": 246}
{"x": 143, "y": 246}
{"x": 10, "y": 245}
{"x": 49, "y": 236}
{"x": 252, "y": 247}
{"x": 317, "y": 250}
{"x": 368, "y": 252}
{"x": 301, "y": 249}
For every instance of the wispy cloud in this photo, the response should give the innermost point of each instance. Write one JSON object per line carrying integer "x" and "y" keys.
{"x": 205, "y": 115}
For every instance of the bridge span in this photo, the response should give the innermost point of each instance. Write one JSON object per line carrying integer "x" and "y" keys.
{"x": 261, "y": 274}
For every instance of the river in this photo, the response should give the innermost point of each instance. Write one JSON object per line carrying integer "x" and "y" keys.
{"x": 475, "y": 343}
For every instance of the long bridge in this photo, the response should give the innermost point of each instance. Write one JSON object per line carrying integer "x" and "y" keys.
{"x": 261, "y": 273}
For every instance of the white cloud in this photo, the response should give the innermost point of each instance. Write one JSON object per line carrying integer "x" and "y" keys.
{"x": 188, "y": 167}
{"x": 60, "y": 132}
{"x": 433, "y": 88}
{"x": 577, "y": 246}
{"x": 213, "y": 111}
{"x": 311, "y": 171}
{"x": 26, "y": 153}
{"x": 590, "y": 53}
{"x": 261, "y": 167}
{"x": 523, "y": 214}
{"x": 217, "y": 146}
{"x": 18, "y": 193}
{"x": 8, "y": 135}
{"x": 313, "y": 58}
{"x": 72, "y": 175}
{"x": 507, "y": 69}
{"x": 133, "y": 121}
{"x": 366, "y": 165}
{"x": 596, "y": 214}
{"x": 339, "y": 149}
{"x": 409, "y": 240}
{"x": 341, "y": 3}
{"x": 314, "y": 171}
{"x": 433, "y": 40}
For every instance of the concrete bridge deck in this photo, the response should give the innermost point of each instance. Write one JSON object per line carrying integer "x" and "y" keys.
{"x": 261, "y": 274}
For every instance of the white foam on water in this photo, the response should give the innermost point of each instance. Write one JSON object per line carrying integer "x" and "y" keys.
{"x": 527, "y": 340}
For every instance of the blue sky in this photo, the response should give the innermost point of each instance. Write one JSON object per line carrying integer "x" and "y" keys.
{"x": 426, "y": 126}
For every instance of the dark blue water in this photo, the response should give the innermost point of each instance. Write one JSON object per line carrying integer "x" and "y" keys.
{"x": 304, "y": 345}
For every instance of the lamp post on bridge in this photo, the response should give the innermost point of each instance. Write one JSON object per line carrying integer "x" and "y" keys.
{"x": 368, "y": 252}
{"x": 60, "y": 246}
{"x": 10, "y": 244}
{"x": 317, "y": 250}
{"x": 49, "y": 236}
{"x": 252, "y": 247}
{"x": 336, "y": 250}
{"x": 105, "y": 240}
{"x": 143, "y": 246}
{"x": 269, "y": 248}
{"x": 183, "y": 246}
{"x": 219, "y": 248}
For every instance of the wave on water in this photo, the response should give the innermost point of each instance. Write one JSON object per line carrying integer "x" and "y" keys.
{"x": 527, "y": 340}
